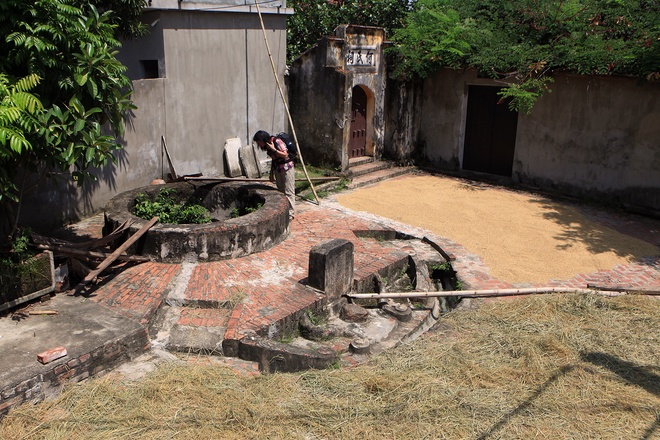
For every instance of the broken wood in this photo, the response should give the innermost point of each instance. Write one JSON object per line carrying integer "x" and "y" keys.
{"x": 91, "y": 244}
{"x": 120, "y": 250}
{"x": 43, "y": 312}
{"x": 185, "y": 177}
{"x": 169, "y": 159}
{"x": 79, "y": 268}
{"x": 91, "y": 254}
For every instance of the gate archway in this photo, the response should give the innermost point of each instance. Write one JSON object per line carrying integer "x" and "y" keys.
{"x": 360, "y": 142}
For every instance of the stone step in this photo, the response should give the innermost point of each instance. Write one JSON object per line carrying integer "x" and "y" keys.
{"x": 379, "y": 175}
{"x": 355, "y": 161}
{"x": 367, "y": 167}
{"x": 199, "y": 330}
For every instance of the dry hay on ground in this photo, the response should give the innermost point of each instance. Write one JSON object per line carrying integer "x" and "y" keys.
{"x": 522, "y": 238}
{"x": 557, "y": 366}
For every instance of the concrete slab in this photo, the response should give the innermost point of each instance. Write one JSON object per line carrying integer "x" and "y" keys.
{"x": 95, "y": 337}
{"x": 249, "y": 162}
{"x": 232, "y": 147}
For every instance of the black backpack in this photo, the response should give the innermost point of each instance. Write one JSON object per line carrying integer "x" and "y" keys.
{"x": 290, "y": 146}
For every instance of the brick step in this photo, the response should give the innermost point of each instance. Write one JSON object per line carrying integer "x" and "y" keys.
{"x": 199, "y": 331}
{"x": 367, "y": 167}
{"x": 379, "y": 175}
{"x": 355, "y": 161}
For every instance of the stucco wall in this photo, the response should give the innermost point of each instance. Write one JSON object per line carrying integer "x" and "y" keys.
{"x": 216, "y": 83}
{"x": 402, "y": 120}
{"x": 594, "y": 134}
{"x": 317, "y": 107}
{"x": 591, "y": 136}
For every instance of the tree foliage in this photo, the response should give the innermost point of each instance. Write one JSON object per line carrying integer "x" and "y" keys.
{"x": 314, "y": 19}
{"x": 64, "y": 53}
{"x": 524, "y": 41}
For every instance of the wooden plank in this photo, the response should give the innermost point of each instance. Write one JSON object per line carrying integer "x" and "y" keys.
{"x": 87, "y": 245}
{"x": 174, "y": 176}
{"x": 90, "y": 254}
{"x": 120, "y": 250}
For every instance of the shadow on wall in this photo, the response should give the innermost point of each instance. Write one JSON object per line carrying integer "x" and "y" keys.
{"x": 56, "y": 201}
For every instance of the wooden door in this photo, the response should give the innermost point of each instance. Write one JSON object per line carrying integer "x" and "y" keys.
{"x": 490, "y": 132}
{"x": 357, "y": 145}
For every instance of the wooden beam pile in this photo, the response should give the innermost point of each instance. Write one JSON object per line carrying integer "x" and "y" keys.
{"x": 87, "y": 260}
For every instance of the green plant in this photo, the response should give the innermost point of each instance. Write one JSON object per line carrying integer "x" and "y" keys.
{"x": 442, "y": 267}
{"x": 238, "y": 212}
{"x": 313, "y": 19}
{"x": 316, "y": 319}
{"x": 522, "y": 43}
{"x": 21, "y": 269}
{"x": 250, "y": 209}
{"x": 64, "y": 53}
{"x": 289, "y": 337}
{"x": 169, "y": 210}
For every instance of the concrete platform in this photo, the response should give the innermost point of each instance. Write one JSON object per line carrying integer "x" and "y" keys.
{"x": 242, "y": 306}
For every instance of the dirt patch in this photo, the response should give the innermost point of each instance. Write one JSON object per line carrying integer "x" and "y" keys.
{"x": 523, "y": 238}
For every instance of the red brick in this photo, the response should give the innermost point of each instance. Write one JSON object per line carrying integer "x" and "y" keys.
{"x": 52, "y": 354}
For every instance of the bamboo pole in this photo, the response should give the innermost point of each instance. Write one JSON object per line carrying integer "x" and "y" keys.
{"x": 471, "y": 293}
{"x": 286, "y": 107}
{"x": 241, "y": 179}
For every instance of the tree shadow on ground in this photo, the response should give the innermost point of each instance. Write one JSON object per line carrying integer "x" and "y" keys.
{"x": 641, "y": 376}
{"x": 634, "y": 238}
{"x": 506, "y": 418}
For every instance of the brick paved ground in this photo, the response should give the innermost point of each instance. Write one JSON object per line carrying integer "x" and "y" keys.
{"x": 254, "y": 293}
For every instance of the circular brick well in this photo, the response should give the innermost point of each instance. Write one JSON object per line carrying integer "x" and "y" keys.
{"x": 223, "y": 238}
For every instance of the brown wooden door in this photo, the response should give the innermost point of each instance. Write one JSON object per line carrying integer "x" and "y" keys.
{"x": 357, "y": 145}
{"x": 490, "y": 132}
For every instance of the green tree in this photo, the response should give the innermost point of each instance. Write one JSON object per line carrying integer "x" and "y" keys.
{"x": 17, "y": 115}
{"x": 71, "y": 46}
{"x": 524, "y": 41}
{"x": 313, "y": 19}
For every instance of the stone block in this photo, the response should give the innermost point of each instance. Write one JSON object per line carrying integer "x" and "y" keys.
{"x": 232, "y": 146}
{"x": 249, "y": 161}
{"x": 331, "y": 267}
